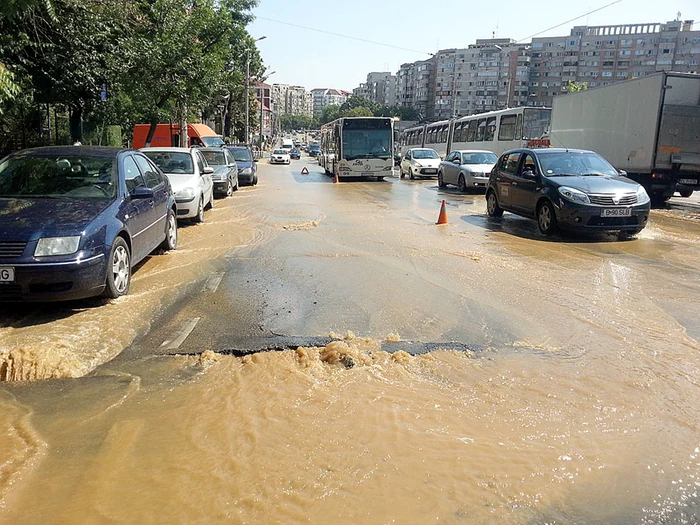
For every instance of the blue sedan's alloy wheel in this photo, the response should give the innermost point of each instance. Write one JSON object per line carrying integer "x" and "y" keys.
{"x": 170, "y": 242}
{"x": 118, "y": 270}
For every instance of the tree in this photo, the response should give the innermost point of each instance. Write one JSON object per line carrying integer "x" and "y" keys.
{"x": 330, "y": 113}
{"x": 292, "y": 122}
{"x": 359, "y": 111}
{"x": 574, "y": 87}
{"x": 357, "y": 101}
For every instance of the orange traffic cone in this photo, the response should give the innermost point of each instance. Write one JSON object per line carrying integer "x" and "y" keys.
{"x": 442, "y": 218}
{"x": 336, "y": 181}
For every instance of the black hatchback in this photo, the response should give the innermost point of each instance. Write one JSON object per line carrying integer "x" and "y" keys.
{"x": 567, "y": 189}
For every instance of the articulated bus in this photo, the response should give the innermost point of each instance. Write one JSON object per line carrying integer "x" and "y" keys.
{"x": 496, "y": 131}
{"x": 358, "y": 147}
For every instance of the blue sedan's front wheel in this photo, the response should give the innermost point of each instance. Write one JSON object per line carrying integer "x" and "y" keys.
{"x": 118, "y": 270}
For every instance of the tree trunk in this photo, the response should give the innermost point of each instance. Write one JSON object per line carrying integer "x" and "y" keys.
{"x": 151, "y": 131}
{"x": 76, "y": 124}
{"x": 228, "y": 122}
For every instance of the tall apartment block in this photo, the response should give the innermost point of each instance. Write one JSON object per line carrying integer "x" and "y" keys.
{"x": 498, "y": 73}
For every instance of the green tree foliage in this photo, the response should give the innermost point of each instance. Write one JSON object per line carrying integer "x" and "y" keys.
{"x": 330, "y": 113}
{"x": 574, "y": 87}
{"x": 159, "y": 59}
{"x": 292, "y": 122}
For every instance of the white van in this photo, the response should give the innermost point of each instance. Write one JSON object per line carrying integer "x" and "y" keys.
{"x": 287, "y": 144}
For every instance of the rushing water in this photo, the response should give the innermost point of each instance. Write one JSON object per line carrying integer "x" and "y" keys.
{"x": 579, "y": 404}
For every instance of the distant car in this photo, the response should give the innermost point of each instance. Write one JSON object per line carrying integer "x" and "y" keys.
{"x": 567, "y": 189}
{"x": 314, "y": 150}
{"x": 295, "y": 154}
{"x": 466, "y": 169}
{"x": 420, "y": 162}
{"x": 75, "y": 220}
{"x": 247, "y": 164}
{"x": 280, "y": 156}
{"x": 190, "y": 177}
{"x": 225, "y": 176}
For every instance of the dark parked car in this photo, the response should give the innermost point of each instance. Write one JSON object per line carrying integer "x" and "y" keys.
{"x": 247, "y": 164}
{"x": 568, "y": 189}
{"x": 75, "y": 220}
{"x": 225, "y": 176}
{"x": 314, "y": 150}
{"x": 295, "y": 154}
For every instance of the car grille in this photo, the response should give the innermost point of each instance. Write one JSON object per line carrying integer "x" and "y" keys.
{"x": 607, "y": 200}
{"x": 10, "y": 292}
{"x": 604, "y": 222}
{"x": 12, "y": 249}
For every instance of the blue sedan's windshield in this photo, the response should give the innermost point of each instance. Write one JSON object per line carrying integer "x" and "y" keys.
{"x": 72, "y": 177}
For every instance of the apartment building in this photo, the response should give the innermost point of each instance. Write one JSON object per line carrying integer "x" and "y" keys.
{"x": 290, "y": 100}
{"x": 602, "y": 55}
{"x": 322, "y": 97}
{"x": 498, "y": 73}
{"x": 415, "y": 87}
{"x": 379, "y": 88}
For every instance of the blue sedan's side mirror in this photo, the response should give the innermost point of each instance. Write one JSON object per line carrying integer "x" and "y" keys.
{"x": 142, "y": 192}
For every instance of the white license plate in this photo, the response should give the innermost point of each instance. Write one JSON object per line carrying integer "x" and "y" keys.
{"x": 430, "y": 171}
{"x": 617, "y": 212}
{"x": 7, "y": 274}
{"x": 368, "y": 174}
{"x": 688, "y": 181}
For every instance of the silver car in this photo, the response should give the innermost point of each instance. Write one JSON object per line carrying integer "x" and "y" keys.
{"x": 467, "y": 169}
{"x": 189, "y": 175}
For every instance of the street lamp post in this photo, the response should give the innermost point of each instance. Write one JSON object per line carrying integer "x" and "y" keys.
{"x": 247, "y": 91}
{"x": 262, "y": 101}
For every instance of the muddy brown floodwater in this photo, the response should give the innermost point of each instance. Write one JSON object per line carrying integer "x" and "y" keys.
{"x": 583, "y": 406}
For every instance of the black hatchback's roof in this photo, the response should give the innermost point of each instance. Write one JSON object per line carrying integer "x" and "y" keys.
{"x": 91, "y": 151}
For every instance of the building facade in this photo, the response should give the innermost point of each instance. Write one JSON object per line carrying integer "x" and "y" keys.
{"x": 380, "y": 88}
{"x": 290, "y": 100}
{"x": 498, "y": 73}
{"x": 322, "y": 97}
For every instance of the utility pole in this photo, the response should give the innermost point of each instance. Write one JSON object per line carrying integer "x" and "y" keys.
{"x": 247, "y": 91}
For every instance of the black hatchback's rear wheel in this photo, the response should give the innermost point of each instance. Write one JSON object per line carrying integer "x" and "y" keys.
{"x": 686, "y": 193}
{"x": 118, "y": 270}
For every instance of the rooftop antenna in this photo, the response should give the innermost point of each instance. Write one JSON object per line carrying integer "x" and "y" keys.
{"x": 678, "y": 16}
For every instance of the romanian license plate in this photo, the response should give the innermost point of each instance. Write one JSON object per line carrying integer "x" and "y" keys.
{"x": 368, "y": 174}
{"x": 7, "y": 274}
{"x": 617, "y": 212}
{"x": 430, "y": 171}
{"x": 688, "y": 181}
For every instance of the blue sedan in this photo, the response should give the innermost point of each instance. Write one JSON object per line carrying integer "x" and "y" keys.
{"x": 75, "y": 220}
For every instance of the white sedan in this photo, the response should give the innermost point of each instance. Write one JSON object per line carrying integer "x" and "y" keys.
{"x": 189, "y": 175}
{"x": 280, "y": 156}
{"x": 420, "y": 162}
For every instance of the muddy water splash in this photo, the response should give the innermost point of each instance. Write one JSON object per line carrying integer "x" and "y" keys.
{"x": 349, "y": 433}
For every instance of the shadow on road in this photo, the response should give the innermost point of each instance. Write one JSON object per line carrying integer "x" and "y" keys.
{"x": 527, "y": 229}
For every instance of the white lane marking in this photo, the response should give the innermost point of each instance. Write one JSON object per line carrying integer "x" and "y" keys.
{"x": 213, "y": 282}
{"x": 180, "y": 335}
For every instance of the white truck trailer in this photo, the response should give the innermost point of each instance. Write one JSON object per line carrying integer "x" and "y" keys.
{"x": 648, "y": 127}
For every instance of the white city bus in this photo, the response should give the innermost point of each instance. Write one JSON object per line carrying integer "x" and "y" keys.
{"x": 358, "y": 147}
{"x": 496, "y": 131}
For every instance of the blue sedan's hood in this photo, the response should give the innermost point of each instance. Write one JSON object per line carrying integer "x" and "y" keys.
{"x": 244, "y": 164}
{"x": 31, "y": 219}
{"x": 597, "y": 184}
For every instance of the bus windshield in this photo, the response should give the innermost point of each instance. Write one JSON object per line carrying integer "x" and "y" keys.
{"x": 536, "y": 123}
{"x": 367, "y": 139}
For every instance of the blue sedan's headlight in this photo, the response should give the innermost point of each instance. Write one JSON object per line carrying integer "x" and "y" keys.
{"x": 574, "y": 195}
{"x": 247, "y": 171}
{"x": 57, "y": 246}
{"x": 642, "y": 196}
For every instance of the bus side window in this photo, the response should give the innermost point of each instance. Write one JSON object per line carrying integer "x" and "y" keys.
{"x": 481, "y": 130}
{"x": 506, "y": 130}
{"x": 490, "y": 129}
{"x": 519, "y": 127}
{"x": 471, "y": 132}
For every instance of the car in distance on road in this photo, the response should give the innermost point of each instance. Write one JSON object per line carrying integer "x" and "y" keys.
{"x": 567, "y": 189}
{"x": 225, "y": 176}
{"x": 280, "y": 156}
{"x": 420, "y": 162}
{"x": 190, "y": 177}
{"x": 247, "y": 164}
{"x": 75, "y": 220}
{"x": 314, "y": 150}
{"x": 466, "y": 169}
{"x": 295, "y": 154}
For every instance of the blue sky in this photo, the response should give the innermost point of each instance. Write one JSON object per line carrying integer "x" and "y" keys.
{"x": 313, "y": 59}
